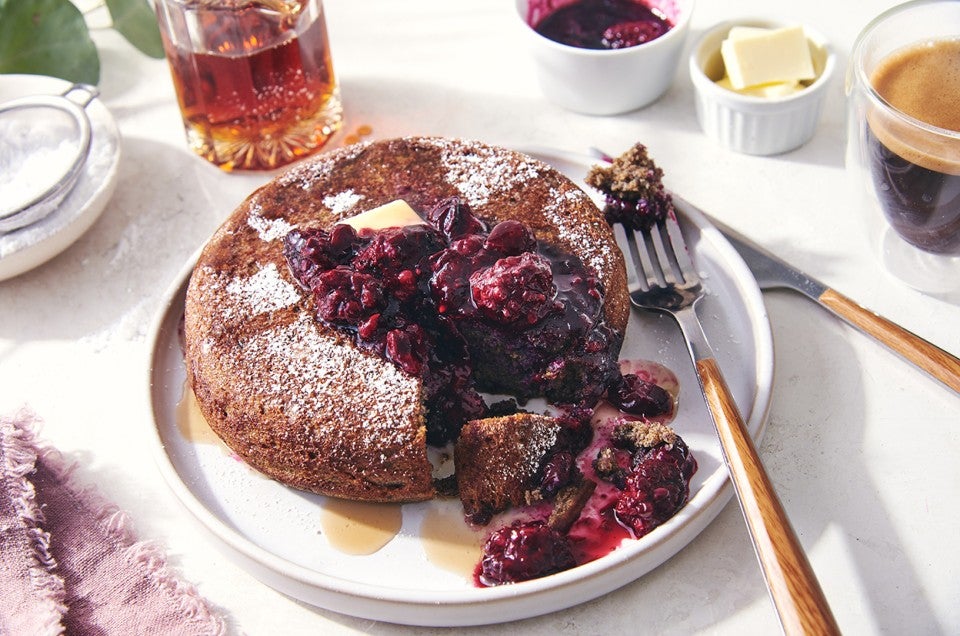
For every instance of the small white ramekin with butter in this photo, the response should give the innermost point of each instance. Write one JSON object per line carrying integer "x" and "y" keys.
{"x": 760, "y": 85}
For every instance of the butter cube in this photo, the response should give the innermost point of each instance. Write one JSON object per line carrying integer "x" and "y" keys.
{"x": 767, "y": 91}
{"x": 741, "y": 32}
{"x": 754, "y": 56}
{"x": 394, "y": 214}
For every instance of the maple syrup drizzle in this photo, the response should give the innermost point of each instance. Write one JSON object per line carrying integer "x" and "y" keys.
{"x": 190, "y": 421}
{"x": 359, "y": 528}
{"x": 449, "y": 542}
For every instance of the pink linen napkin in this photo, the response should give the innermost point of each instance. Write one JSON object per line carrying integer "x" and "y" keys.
{"x": 69, "y": 563}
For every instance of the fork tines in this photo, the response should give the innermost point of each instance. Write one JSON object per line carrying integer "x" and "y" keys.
{"x": 655, "y": 257}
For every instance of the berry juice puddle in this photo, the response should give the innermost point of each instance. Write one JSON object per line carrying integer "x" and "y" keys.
{"x": 471, "y": 308}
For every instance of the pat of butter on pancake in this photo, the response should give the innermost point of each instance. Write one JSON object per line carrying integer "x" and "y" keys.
{"x": 394, "y": 214}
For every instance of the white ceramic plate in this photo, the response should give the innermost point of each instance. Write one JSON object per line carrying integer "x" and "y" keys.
{"x": 28, "y": 247}
{"x": 274, "y": 531}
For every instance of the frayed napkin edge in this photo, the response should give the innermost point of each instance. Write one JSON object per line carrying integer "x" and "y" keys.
{"x": 21, "y": 456}
{"x": 114, "y": 522}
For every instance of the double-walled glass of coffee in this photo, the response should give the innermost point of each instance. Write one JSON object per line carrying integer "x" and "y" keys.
{"x": 904, "y": 139}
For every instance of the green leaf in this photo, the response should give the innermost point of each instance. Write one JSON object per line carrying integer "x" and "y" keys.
{"x": 47, "y": 37}
{"x": 135, "y": 20}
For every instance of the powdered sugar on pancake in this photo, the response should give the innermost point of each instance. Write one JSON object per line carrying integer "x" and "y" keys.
{"x": 482, "y": 173}
{"x": 343, "y": 202}
{"x": 267, "y": 229}
{"x": 306, "y": 174}
{"x": 542, "y": 436}
{"x": 278, "y": 357}
{"x": 594, "y": 254}
{"x": 296, "y": 368}
{"x": 264, "y": 291}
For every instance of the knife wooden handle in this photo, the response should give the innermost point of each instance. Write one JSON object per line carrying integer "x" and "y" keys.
{"x": 940, "y": 364}
{"x": 800, "y": 603}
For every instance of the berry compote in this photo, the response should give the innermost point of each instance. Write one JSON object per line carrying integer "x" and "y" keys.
{"x": 604, "y": 24}
{"x": 523, "y": 551}
{"x": 640, "y": 472}
{"x": 636, "y": 468}
{"x": 464, "y": 305}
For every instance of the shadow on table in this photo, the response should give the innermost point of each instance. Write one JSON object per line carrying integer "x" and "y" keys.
{"x": 106, "y": 285}
{"x": 820, "y": 459}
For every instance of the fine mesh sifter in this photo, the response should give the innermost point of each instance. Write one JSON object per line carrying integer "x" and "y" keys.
{"x": 44, "y": 143}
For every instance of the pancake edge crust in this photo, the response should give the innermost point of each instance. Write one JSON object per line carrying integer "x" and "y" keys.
{"x": 298, "y": 400}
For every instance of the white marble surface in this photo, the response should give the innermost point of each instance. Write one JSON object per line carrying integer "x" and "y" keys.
{"x": 861, "y": 447}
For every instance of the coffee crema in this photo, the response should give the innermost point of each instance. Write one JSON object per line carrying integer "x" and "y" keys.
{"x": 916, "y": 169}
{"x": 923, "y": 81}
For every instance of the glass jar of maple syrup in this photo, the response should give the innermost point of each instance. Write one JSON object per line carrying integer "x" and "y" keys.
{"x": 254, "y": 78}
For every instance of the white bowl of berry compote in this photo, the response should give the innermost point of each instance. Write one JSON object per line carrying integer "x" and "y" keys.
{"x": 605, "y": 57}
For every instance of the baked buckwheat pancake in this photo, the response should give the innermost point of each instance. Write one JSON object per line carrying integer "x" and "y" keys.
{"x": 306, "y": 401}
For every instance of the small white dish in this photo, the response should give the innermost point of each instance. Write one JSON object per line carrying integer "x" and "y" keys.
{"x": 44, "y": 142}
{"x": 757, "y": 125}
{"x": 28, "y": 247}
{"x": 274, "y": 531}
{"x": 607, "y": 82}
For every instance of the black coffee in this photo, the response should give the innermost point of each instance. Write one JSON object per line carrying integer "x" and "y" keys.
{"x": 922, "y": 205}
{"x": 917, "y": 174}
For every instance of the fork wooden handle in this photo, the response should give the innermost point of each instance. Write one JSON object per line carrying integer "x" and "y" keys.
{"x": 794, "y": 588}
{"x": 938, "y": 363}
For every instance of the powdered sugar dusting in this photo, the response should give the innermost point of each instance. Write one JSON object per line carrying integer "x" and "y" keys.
{"x": 304, "y": 367}
{"x": 306, "y": 174}
{"x": 343, "y": 202}
{"x": 595, "y": 254}
{"x": 267, "y": 229}
{"x": 543, "y": 436}
{"x": 303, "y": 372}
{"x": 482, "y": 172}
{"x": 523, "y": 443}
{"x": 264, "y": 291}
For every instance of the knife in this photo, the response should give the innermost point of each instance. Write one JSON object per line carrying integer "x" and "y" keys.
{"x": 772, "y": 272}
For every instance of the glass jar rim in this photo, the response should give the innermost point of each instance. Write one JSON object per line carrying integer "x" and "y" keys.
{"x": 857, "y": 65}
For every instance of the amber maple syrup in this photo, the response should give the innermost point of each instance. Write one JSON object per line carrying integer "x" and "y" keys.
{"x": 254, "y": 78}
{"x": 449, "y": 542}
{"x": 359, "y": 528}
{"x": 190, "y": 421}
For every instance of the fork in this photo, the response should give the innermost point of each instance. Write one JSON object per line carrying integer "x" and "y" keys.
{"x": 667, "y": 282}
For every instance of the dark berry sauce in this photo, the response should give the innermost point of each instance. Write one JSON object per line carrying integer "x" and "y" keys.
{"x": 604, "y": 24}
{"x": 632, "y": 394}
{"x": 641, "y": 476}
{"x": 464, "y": 306}
{"x": 470, "y": 308}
